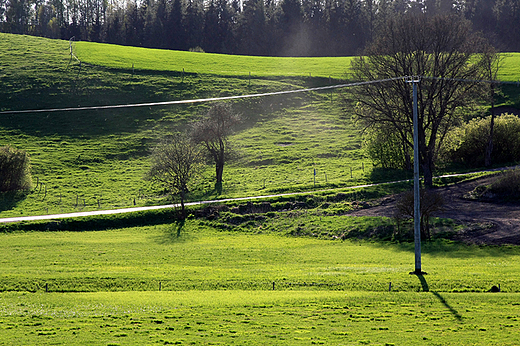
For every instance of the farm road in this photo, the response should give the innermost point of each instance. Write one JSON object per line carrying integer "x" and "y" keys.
{"x": 134, "y": 209}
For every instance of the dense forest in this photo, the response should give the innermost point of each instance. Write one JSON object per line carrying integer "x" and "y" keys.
{"x": 249, "y": 27}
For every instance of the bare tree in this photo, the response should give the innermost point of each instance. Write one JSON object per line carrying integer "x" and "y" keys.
{"x": 451, "y": 59}
{"x": 174, "y": 165}
{"x": 213, "y": 131}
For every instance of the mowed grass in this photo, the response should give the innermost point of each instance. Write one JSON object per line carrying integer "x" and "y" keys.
{"x": 217, "y": 288}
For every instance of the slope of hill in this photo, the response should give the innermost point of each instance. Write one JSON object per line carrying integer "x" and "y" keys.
{"x": 96, "y": 159}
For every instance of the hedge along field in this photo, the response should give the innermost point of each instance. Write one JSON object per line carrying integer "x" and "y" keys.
{"x": 216, "y": 287}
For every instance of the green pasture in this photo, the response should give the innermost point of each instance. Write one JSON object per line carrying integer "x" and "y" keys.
{"x": 150, "y": 286}
{"x": 259, "y": 318}
{"x": 124, "y": 57}
{"x": 204, "y": 258}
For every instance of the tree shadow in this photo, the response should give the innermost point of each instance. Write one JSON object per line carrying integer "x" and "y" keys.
{"x": 451, "y": 249}
{"x": 426, "y": 288}
{"x": 379, "y": 174}
{"x": 9, "y": 200}
{"x": 173, "y": 233}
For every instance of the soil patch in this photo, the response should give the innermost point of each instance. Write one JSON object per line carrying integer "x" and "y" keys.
{"x": 491, "y": 223}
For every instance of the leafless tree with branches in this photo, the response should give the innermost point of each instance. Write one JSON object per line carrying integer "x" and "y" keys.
{"x": 451, "y": 60}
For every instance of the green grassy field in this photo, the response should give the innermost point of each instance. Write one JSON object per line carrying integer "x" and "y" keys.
{"x": 123, "y": 57}
{"x": 148, "y": 286}
{"x": 96, "y": 160}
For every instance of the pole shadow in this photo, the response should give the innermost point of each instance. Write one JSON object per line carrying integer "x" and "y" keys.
{"x": 454, "y": 312}
{"x": 426, "y": 288}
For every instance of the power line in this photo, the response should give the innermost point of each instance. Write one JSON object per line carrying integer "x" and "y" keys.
{"x": 225, "y": 98}
{"x": 212, "y": 99}
{"x": 517, "y": 83}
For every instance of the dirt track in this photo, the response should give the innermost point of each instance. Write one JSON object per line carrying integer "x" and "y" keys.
{"x": 499, "y": 222}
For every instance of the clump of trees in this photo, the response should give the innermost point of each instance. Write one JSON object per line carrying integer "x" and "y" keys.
{"x": 15, "y": 169}
{"x": 179, "y": 159}
{"x": 451, "y": 59}
{"x": 469, "y": 142}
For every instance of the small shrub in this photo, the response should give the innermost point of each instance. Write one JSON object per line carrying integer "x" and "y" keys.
{"x": 197, "y": 50}
{"x": 430, "y": 202}
{"x": 386, "y": 149}
{"x": 507, "y": 187}
{"x": 15, "y": 169}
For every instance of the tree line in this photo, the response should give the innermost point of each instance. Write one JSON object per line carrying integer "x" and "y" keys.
{"x": 249, "y": 27}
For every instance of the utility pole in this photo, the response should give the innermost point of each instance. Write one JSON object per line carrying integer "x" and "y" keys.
{"x": 416, "y": 187}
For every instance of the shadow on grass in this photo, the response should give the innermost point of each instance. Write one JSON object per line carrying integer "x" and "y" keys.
{"x": 379, "y": 174}
{"x": 9, "y": 200}
{"x": 173, "y": 233}
{"x": 451, "y": 249}
{"x": 454, "y": 312}
{"x": 426, "y": 288}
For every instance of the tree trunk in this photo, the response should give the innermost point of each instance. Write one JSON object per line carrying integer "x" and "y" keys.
{"x": 183, "y": 209}
{"x": 428, "y": 173}
{"x": 219, "y": 170}
{"x": 489, "y": 148}
{"x": 219, "y": 166}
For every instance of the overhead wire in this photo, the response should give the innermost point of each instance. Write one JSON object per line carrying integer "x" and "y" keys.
{"x": 226, "y": 98}
{"x": 211, "y": 99}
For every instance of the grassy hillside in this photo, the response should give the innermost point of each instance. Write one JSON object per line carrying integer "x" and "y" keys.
{"x": 96, "y": 159}
{"x": 85, "y": 160}
{"x": 123, "y": 57}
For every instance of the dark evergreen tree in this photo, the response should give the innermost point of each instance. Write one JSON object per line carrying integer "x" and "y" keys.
{"x": 507, "y": 13}
{"x": 194, "y": 23}
{"x": 251, "y": 29}
{"x": 174, "y": 29}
